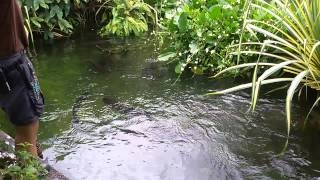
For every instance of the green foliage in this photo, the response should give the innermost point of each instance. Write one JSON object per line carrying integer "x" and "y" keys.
{"x": 27, "y": 167}
{"x": 163, "y": 6}
{"x": 48, "y": 17}
{"x": 128, "y": 17}
{"x": 58, "y": 18}
{"x": 203, "y": 33}
{"x": 293, "y": 47}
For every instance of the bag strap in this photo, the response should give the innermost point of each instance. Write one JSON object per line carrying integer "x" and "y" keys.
{"x": 4, "y": 78}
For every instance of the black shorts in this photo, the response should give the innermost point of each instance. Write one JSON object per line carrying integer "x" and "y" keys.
{"x": 21, "y": 98}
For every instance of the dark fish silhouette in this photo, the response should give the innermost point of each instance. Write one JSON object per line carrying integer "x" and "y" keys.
{"x": 125, "y": 108}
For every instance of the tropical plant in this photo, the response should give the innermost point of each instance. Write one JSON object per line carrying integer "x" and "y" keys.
{"x": 58, "y": 18}
{"x": 48, "y": 17}
{"x": 293, "y": 47}
{"x": 128, "y": 17}
{"x": 203, "y": 33}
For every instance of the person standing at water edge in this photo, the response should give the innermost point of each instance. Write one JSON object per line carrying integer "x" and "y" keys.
{"x": 20, "y": 95}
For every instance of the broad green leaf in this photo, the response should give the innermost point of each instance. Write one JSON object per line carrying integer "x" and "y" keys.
{"x": 193, "y": 48}
{"x": 167, "y": 56}
{"x": 183, "y": 22}
{"x": 35, "y": 22}
{"x": 215, "y": 12}
{"x": 56, "y": 11}
{"x": 179, "y": 68}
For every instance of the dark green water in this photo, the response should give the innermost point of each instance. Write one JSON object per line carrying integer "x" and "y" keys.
{"x": 120, "y": 117}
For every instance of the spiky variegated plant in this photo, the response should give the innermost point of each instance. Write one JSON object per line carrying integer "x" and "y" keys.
{"x": 293, "y": 46}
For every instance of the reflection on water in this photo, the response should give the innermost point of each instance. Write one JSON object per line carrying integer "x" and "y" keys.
{"x": 119, "y": 116}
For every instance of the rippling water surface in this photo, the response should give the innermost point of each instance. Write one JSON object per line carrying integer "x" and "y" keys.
{"x": 120, "y": 116}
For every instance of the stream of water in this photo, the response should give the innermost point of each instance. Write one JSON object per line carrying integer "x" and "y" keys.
{"x": 120, "y": 116}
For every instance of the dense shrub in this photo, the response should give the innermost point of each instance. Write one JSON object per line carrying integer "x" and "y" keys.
{"x": 128, "y": 17}
{"x": 203, "y": 33}
{"x": 48, "y": 17}
{"x": 52, "y": 18}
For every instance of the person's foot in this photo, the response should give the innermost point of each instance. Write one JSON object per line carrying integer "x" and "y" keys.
{"x": 45, "y": 164}
{"x": 39, "y": 151}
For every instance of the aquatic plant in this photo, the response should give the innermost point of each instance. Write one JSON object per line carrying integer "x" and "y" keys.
{"x": 292, "y": 47}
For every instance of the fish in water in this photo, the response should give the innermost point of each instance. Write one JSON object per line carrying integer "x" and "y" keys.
{"x": 116, "y": 105}
{"x": 154, "y": 69}
{"x": 135, "y": 115}
{"x": 125, "y": 108}
{"x": 77, "y": 105}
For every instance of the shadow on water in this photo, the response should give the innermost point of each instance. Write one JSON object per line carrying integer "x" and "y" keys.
{"x": 118, "y": 116}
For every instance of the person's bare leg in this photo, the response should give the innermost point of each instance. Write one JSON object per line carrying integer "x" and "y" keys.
{"x": 28, "y": 134}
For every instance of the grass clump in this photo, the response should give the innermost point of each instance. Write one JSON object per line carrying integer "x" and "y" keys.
{"x": 24, "y": 166}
